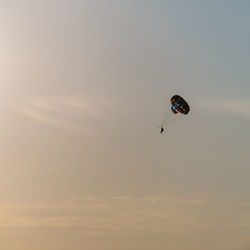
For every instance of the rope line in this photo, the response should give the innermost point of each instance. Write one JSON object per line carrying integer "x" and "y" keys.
{"x": 77, "y": 163}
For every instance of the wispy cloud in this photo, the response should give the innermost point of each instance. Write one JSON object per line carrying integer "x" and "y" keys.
{"x": 182, "y": 217}
{"x": 47, "y": 118}
{"x": 99, "y": 216}
{"x": 67, "y": 111}
{"x": 237, "y": 107}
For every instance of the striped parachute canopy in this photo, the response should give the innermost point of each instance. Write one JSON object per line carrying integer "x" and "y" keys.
{"x": 179, "y": 105}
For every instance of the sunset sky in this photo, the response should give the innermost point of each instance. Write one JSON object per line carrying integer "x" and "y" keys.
{"x": 84, "y": 85}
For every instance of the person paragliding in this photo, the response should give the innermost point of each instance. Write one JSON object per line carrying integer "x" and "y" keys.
{"x": 178, "y": 106}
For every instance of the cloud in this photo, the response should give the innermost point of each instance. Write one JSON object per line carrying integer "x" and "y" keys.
{"x": 123, "y": 198}
{"x": 68, "y": 112}
{"x": 239, "y": 107}
{"x": 180, "y": 217}
{"x": 47, "y": 118}
{"x": 124, "y": 214}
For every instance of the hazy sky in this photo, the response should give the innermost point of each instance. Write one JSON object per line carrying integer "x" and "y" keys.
{"x": 78, "y": 77}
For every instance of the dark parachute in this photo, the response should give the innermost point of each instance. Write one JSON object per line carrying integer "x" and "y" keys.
{"x": 179, "y": 105}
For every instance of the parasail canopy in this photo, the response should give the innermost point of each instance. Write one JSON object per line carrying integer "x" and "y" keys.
{"x": 179, "y": 105}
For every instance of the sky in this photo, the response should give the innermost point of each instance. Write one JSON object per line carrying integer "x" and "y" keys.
{"x": 84, "y": 86}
